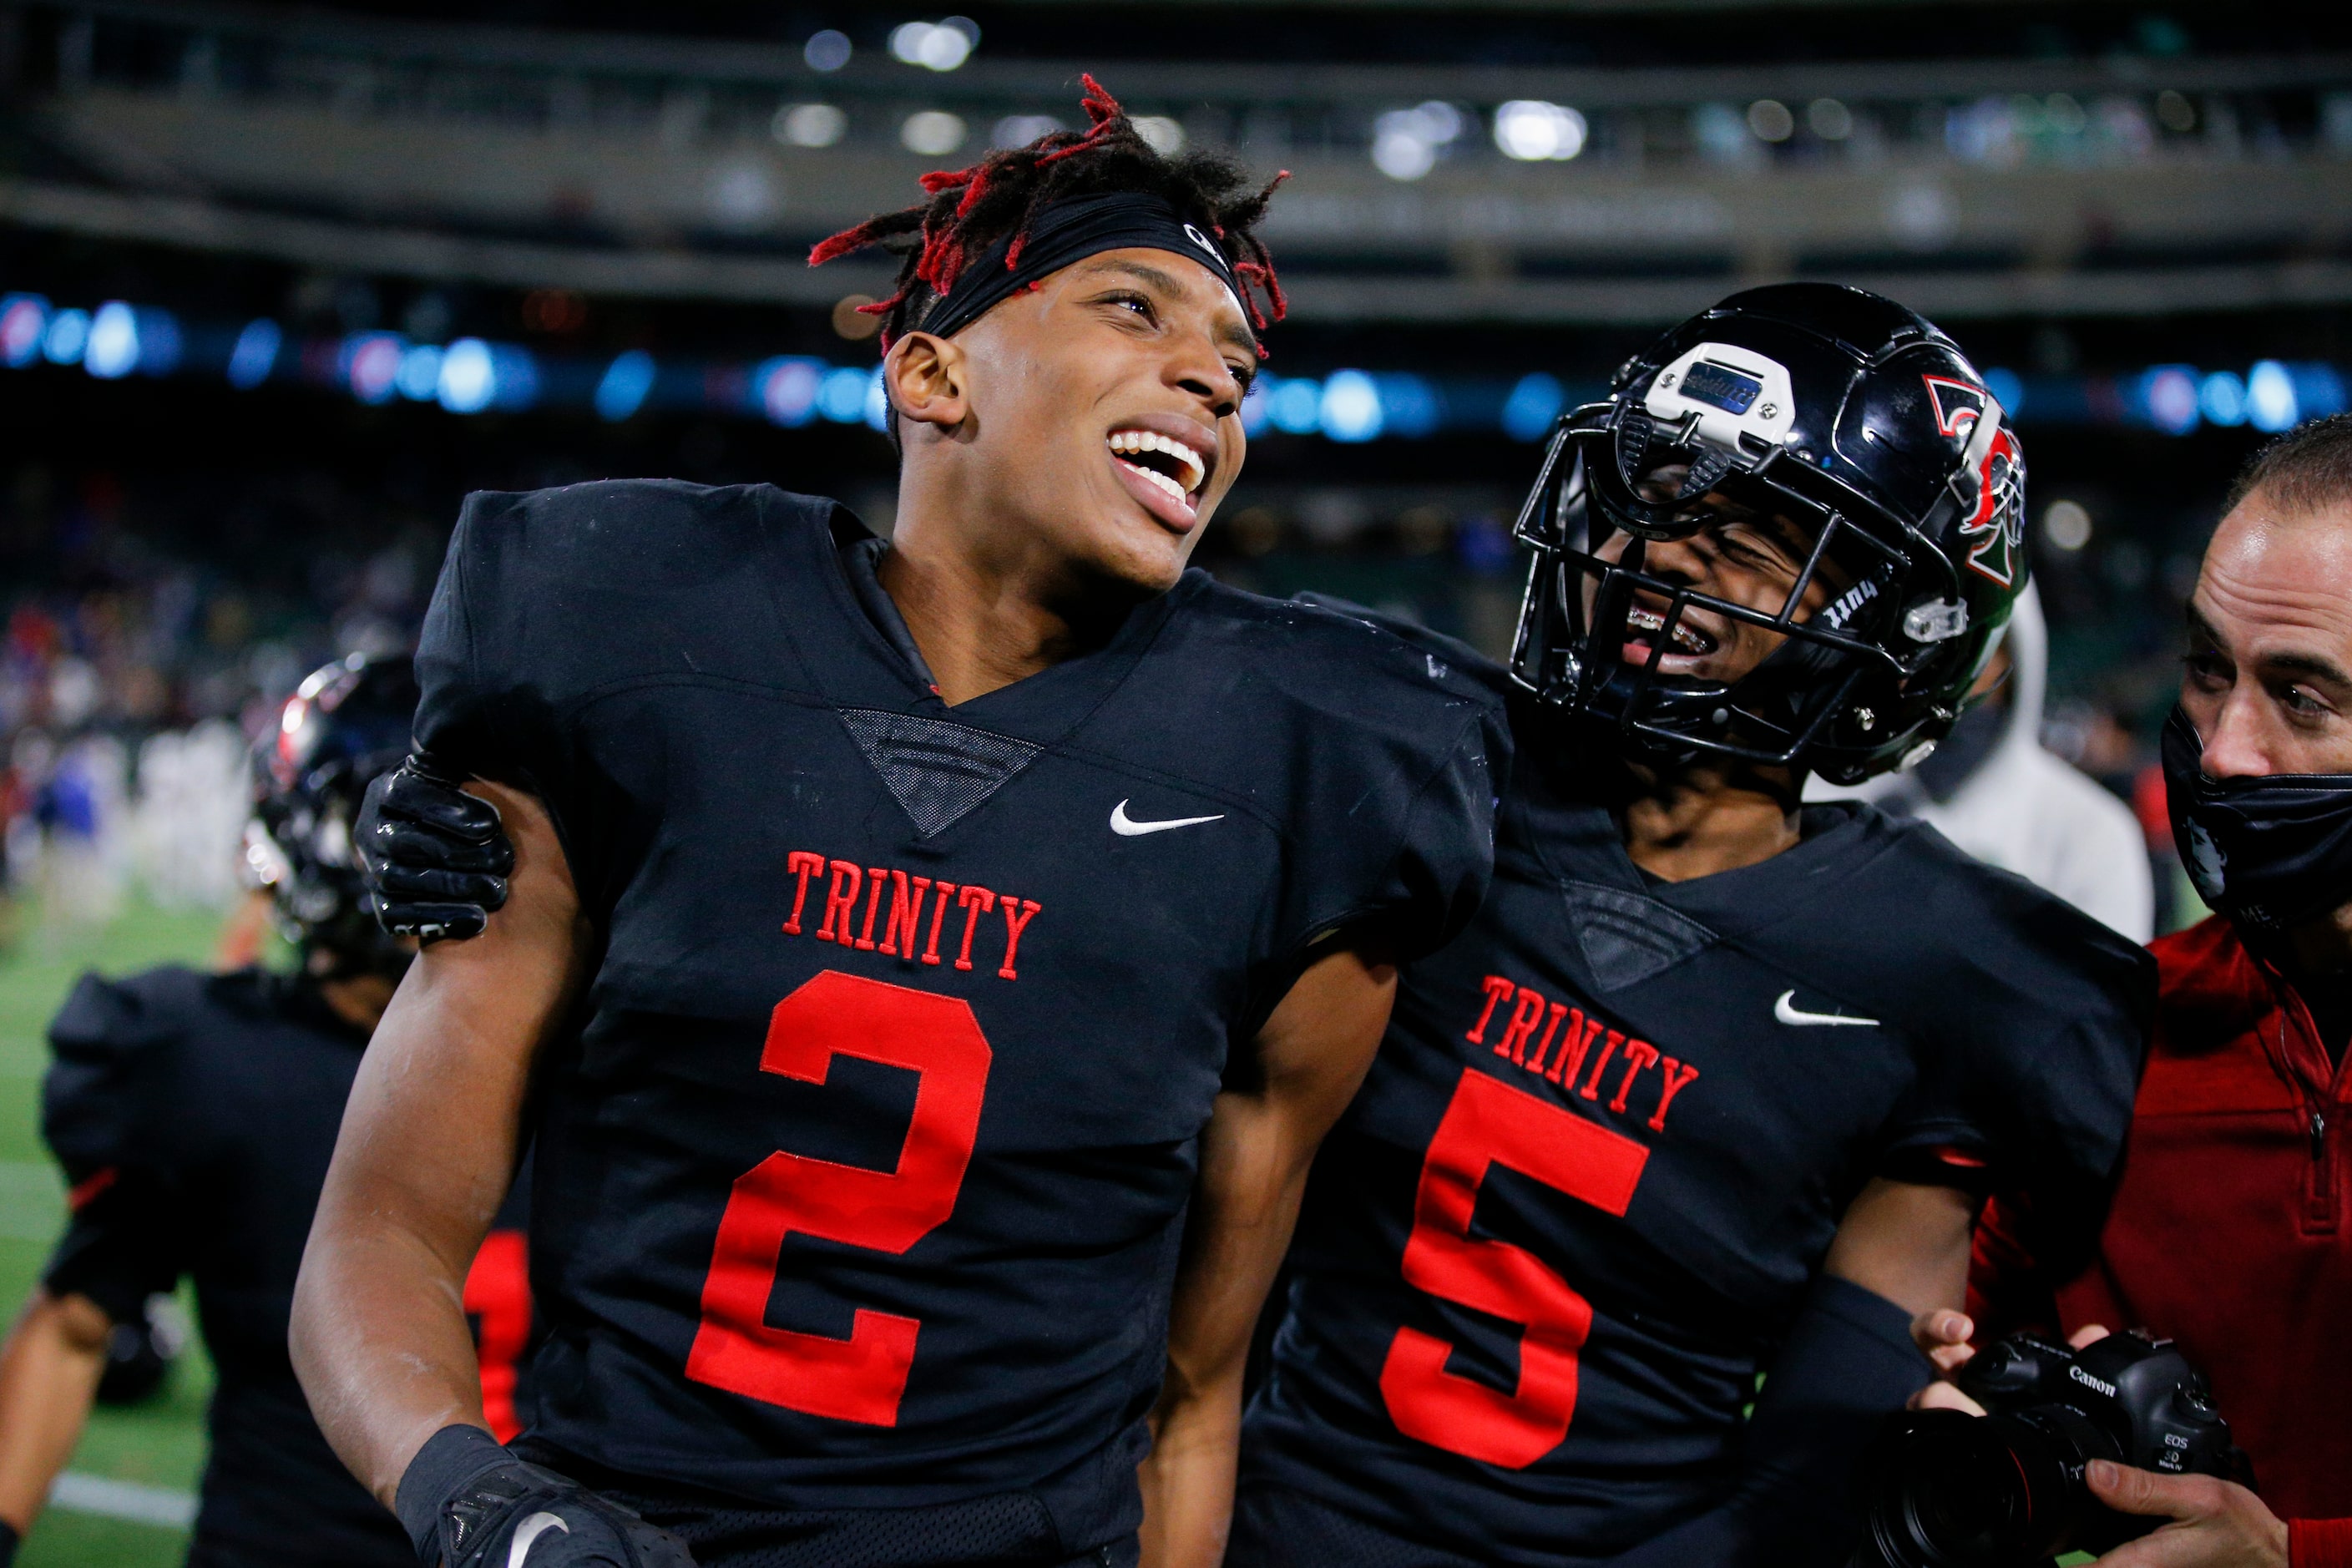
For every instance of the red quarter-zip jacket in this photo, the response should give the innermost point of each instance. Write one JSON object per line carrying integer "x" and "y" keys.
{"x": 2232, "y": 1229}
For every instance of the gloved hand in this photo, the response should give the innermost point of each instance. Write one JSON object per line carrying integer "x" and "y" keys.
{"x": 468, "y": 1503}
{"x": 435, "y": 858}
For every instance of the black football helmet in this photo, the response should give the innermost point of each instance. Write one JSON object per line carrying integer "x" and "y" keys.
{"x": 1847, "y": 414}
{"x": 347, "y": 723}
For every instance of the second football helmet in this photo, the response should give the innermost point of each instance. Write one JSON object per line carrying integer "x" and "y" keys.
{"x": 346, "y": 724}
{"x": 1848, "y": 415}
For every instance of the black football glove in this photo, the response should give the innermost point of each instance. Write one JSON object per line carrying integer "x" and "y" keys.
{"x": 435, "y": 858}
{"x": 468, "y": 1503}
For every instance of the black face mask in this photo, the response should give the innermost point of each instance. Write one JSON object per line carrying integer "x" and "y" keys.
{"x": 2269, "y": 853}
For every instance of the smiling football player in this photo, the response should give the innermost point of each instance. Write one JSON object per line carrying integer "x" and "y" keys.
{"x": 1714, "y": 1082}
{"x": 928, "y": 966}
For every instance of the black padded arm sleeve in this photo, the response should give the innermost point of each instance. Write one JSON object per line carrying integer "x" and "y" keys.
{"x": 104, "y": 1115}
{"x": 118, "y": 1249}
{"x": 1847, "y": 1364}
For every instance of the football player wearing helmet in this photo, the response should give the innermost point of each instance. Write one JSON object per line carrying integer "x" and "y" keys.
{"x": 193, "y": 1115}
{"x": 1712, "y": 1084}
{"x": 927, "y": 965}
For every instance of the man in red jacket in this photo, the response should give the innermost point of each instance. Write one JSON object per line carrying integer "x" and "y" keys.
{"x": 2232, "y": 1229}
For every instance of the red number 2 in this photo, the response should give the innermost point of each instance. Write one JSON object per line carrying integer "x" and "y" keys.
{"x": 860, "y": 1378}
{"x": 1490, "y": 1123}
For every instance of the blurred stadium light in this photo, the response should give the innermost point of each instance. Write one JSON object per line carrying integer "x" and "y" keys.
{"x": 685, "y": 168}
{"x": 473, "y": 375}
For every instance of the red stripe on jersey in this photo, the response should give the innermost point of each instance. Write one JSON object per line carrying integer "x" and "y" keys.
{"x": 88, "y": 1187}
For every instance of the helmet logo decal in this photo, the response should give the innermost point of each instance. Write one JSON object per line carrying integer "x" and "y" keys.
{"x": 1957, "y": 403}
{"x": 1997, "y": 522}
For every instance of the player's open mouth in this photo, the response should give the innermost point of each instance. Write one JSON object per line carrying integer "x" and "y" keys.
{"x": 1171, "y": 470}
{"x": 1687, "y": 640}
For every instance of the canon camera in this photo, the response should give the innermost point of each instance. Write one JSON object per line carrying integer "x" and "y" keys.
{"x": 1959, "y": 1491}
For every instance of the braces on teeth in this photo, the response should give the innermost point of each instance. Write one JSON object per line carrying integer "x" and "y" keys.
{"x": 1642, "y": 620}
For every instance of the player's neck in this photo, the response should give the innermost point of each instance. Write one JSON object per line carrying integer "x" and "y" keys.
{"x": 1696, "y": 821}
{"x": 986, "y": 617}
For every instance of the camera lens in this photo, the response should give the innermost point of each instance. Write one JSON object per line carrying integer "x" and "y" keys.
{"x": 1980, "y": 1501}
{"x": 1956, "y": 1498}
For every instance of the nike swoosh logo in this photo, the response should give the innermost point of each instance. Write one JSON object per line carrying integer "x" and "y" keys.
{"x": 1127, "y": 826}
{"x": 530, "y": 1531}
{"x": 1786, "y": 1010}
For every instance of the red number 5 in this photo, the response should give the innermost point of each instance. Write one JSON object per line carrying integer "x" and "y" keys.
{"x": 1490, "y": 1123}
{"x": 498, "y": 1296}
{"x": 862, "y": 1377}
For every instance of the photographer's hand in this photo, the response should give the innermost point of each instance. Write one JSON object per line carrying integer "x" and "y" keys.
{"x": 2215, "y": 1524}
{"x": 1942, "y": 1336}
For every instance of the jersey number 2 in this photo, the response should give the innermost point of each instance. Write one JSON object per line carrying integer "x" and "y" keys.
{"x": 860, "y": 1378}
{"x": 1490, "y": 1123}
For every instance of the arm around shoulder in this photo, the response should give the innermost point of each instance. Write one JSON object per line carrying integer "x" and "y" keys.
{"x": 428, "y": 1144}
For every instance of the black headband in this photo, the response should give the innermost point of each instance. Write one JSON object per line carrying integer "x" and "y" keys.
{"x": 1067, "y": 232}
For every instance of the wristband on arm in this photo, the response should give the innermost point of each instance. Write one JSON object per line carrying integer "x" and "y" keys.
{"x": 1847, "y": 1364}
{"x": 450, "y": 1457}
{"x": 466, "y": 1502}
{"x": 9, "y": 1539}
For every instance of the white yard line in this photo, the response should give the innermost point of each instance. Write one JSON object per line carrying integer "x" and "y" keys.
{"x": 123, "y": 1499}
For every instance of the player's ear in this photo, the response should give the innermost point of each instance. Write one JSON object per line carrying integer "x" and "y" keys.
{"x": 925, "y": 379}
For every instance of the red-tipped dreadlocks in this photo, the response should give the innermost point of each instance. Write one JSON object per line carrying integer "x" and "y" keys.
{"x": 972, "y": 209}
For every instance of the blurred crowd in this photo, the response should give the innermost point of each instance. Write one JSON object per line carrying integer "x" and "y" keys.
{"x": 137, "y": 668}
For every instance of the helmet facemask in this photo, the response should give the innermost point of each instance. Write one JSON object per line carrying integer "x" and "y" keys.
{"x": 1608, "y": 492}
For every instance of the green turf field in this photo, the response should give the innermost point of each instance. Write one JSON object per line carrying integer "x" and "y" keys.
{"x": 160, "y": 1443}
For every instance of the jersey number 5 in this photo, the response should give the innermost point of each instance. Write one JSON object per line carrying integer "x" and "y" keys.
{"x": 1490, "y": 1123}
{"x": 860, "y": 1378}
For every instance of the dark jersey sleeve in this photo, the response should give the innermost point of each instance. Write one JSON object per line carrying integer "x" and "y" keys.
{"x": 1449, "y": 650}
{"x": 102, "y": 1115}
{"x": 2032, "y": 1056}
{"x": 549, "y": 599}
{"x": 488, "y": 704}
{"x": 1399, "y": 818}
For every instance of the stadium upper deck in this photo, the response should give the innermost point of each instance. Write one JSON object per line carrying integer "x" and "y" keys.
{"x": 1584, "y": 166}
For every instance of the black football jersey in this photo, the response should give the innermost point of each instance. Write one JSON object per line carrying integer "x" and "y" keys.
{"x": 861, "y": 1186}
{"x": 1607, "y": 1142}
{"x": 194, "y": 1115}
